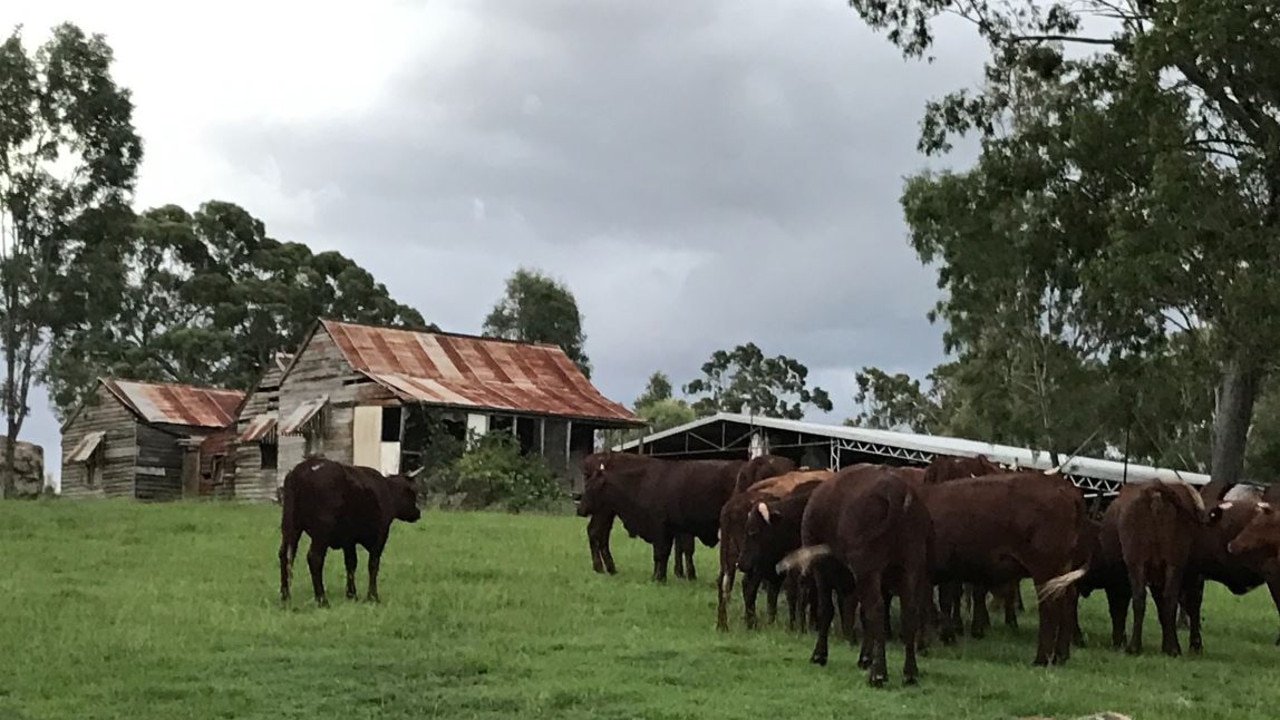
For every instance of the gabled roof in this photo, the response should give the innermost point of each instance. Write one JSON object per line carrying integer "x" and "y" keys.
{"x": 473, "y": 372}
{"x": 174, "y": 404}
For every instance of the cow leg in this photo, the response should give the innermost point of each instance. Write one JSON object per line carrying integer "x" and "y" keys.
{"x": 826, "y": 613}
{"x": 772, "y": 587}
{"x": 1118, "y": 604}
{"x": 981, "y": 617}
{"x": 1192, "y": 599}
{"x": 724, "y": 587}
{"x": 1138, "y": 586}
{"x": 910, "y": 606}
{"x": 686, "y": 549}
{"x": 1170, "y": 592}
{"x": 847, "y": 595}
{"x": 349, "y": 556}
{"x": 949, "y": 601}
{"x": 750, "y": 587}
{"x": 1077, "y": 633}
{"x": 791, "y": 591}
{"x": 375, "y": 561}
{"x": 315, "y": 562}
{"x": 1047, "y": 637}
{"x": 867, "y": 649}
{"x": 1064, "y": 630}
{"x": 1273, "y": 584}
{"x": 679, "y": 547}
{"x": 1011, "y": 596}
{"x": 661, "y": 556}
{"x": 872, "y": 595}
{"x": 599, "y": 527}
{"x": 288, "y": 551}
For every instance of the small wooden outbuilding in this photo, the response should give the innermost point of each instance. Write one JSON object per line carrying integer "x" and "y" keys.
{"x": 149, "y": 441}
{"x": 361, "y": 394}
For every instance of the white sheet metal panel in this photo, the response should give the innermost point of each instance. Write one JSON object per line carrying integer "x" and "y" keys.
{"x": 366, "y": 436}
{"x": 86, "y": 447}
{"x": 389, "y": 462}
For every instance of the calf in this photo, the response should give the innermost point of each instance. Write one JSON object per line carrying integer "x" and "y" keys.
{"x": 771, "y": 532}
{"x": 340, "y": 506}
{"x": 733, "y": 518}
{"x": 867, "y": 531}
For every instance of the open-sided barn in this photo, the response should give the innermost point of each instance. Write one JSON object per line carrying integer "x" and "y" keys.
{"x": 731, "y": 435}
{"x": 374, "y": 395}
{"x": 149, "y": 441}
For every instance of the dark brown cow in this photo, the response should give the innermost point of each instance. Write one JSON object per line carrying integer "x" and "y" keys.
{"x": 998, "y": 528}
{"x": 762, "y": 467}
{"x": 1239, "y": 561}
{"x": 867, "y": 531}
{"x": 600, "y": 527}
{"x": 772, "y": 532}
{"x": 340, "y": 506}
{"x": 944, "y": 468}
{"x": 1148, "y": 533}
{"x": 733, "y": 520}
{"x": 659, "y": 499}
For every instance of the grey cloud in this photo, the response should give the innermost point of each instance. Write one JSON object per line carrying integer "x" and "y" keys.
{"x": 701, "y": 174}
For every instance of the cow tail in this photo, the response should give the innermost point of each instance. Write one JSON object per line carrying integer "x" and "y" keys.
{"x": 1056, "y": 586}
{"x": 802, "y": 559}
{"x": 1189, "y": 502}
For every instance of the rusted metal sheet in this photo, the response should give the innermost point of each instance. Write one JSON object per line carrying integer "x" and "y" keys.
{"x": 302, "y": 415}
{"x": 260, "y": 428}
{"x": 474, "y": 372}
{"x": 177, "y": 404}
{"x": 84, "y": 449}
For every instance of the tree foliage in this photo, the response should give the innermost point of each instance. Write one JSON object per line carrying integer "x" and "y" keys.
{"x": 208, "y": 298}
{"x": 1126, "y": 201}
{"x": 744, "y": 380}
{"x": 68, "y": 159}
{"x": 538, "y": 309}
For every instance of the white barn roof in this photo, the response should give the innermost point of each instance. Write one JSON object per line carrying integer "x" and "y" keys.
{"x": 1111, "y": 471}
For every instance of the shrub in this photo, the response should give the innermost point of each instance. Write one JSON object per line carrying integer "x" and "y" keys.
{"x": 493, "y": 473}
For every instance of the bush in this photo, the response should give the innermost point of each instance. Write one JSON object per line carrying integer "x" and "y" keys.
{"x": 493, "y": 473}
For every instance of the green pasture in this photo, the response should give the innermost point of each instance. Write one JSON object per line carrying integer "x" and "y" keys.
{"x": 121, "y": 610}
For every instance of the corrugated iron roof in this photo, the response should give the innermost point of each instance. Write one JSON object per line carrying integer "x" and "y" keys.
{"x": 259, "y": 427}
{"x": 177, "y": 404}
{"x": 301, "y": 415}
{"x": 476, "y": 372}
{"x": 84, "y": 449}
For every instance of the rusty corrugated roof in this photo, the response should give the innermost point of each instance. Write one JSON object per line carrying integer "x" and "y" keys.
{"x": 469, "y": 371}
{"x": 177, "y": 404}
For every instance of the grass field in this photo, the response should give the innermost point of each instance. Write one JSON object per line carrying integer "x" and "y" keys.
{"x": 120, "y": 610}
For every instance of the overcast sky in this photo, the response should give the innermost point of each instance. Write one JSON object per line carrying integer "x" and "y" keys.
{"x": 700, "y": 174}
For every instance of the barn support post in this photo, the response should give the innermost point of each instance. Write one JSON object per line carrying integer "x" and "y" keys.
{"x": 542, "y": 437}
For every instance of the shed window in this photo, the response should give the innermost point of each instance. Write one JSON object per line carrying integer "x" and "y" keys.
{"x": 391, "y": 423}
{"x": 270, "y": 455}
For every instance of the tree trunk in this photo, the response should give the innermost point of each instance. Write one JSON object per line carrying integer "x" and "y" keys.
{"x": 1232, "y": 416}
{"x": 10, "y": 481}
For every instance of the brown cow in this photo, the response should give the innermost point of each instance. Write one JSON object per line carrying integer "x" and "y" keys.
{"x": 944, "y": 468}
{"x": 600, "y": 527}
{"x": 659, "y": 499}
{"x": 761, "y": 467}
{"x": 867, "y": 531}
{"x": 772, "y": 532}
{"x": 733, "y": 520}
{"x": 1240, "y": 560}
{"x": 1152, "y": 527}
{"x": 998, "y": 528}
{"x": 340, "y": 506}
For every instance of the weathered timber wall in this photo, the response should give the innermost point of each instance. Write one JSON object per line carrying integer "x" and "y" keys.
{"x": 249, "y": 479}
{"x": 320, "y": 370}
{"x": 116, "y": 455}
{"x": 159, "y": 463}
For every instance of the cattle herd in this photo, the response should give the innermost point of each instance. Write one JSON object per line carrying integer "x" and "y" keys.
{"x": 849, "y": 542}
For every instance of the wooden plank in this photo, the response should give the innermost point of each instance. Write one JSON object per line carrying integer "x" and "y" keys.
{"x": 366, "y": 432}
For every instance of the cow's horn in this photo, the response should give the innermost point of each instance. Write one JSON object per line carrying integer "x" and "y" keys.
{"x": 414, "y": 473}
{"x": 764, "y": 511}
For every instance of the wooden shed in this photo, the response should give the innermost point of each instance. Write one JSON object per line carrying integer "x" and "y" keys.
{"x": 149, "y": 441}
{"x": 359, "y": 393}
{"x": 256, "y": 450}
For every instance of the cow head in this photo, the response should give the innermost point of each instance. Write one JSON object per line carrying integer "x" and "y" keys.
{"x": 594, "y": 471}
{"x": 760, "y": 519}
{"x": 404, "y": 498}
{"x": 1262, "y": 531}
